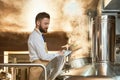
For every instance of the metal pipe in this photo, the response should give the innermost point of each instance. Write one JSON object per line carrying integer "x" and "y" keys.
{"x": 107, "y": 38}
{"x": 94, "y": 43}
{"x": 105, "y": 35}
{"x": 25, "y": 64}
{"x": 104, "y": 44}
{"x": 110, "y": 11}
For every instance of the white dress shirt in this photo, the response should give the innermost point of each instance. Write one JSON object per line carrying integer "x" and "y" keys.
{"x": 36, "y": 47}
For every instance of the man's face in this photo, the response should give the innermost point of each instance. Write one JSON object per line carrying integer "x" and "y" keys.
{"x": 43, "y": 26}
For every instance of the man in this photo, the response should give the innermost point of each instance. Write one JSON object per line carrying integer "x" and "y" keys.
{"x": 37, "y": 47}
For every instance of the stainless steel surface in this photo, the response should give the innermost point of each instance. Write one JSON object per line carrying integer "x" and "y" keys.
{"x": 104, "y": 69}
{"x": 87, "y": 70}
{"x": 111, "y": 8}
{"x": 94, "y": 43}
{"x": 80, "y": 62}
{"x": 105, "y": 38}
{"x": 25, "y": 64}
{"x": 110, "y": 11}
{"x": 90, "y": 78}
{"x": 104, "y": 45}
{"x": 54, "y": 67}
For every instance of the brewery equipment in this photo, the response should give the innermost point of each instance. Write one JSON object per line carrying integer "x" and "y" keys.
{"x": 104, "y": 44}
{"x": 54, "y": 68}
{"x": 103, "y": 49}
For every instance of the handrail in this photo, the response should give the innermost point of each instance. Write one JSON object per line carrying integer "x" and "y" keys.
{"x": 25, "y": 64}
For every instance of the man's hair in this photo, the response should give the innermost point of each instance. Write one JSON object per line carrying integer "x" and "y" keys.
{"x": 42, "y": 15}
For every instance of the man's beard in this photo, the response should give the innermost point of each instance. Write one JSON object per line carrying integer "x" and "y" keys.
{"x": 42, "y": 30}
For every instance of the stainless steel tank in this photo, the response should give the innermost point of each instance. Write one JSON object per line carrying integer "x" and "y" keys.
{"x": 103, "y": 49}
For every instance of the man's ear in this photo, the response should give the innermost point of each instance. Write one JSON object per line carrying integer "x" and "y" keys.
{"x": 38, "y": 22}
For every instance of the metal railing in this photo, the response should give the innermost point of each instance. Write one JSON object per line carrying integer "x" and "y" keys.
{"x": 25, "y": 64}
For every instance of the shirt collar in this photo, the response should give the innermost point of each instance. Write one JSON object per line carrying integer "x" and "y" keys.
{"x": 37, "y": 30}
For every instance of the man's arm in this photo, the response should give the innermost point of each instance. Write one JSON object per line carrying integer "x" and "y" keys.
{"x": 39, "y": 48}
